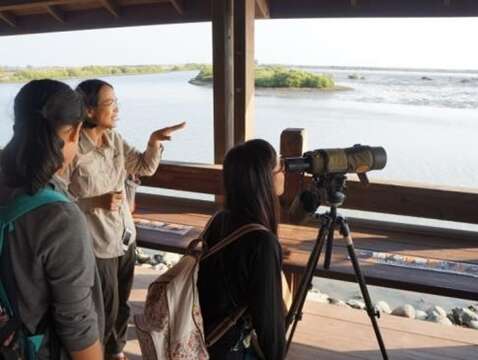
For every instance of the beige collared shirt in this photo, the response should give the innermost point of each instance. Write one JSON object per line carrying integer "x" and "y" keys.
{"x": 100, "y": 170}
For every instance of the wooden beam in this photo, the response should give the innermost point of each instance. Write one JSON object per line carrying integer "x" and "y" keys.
{"x": 144, "y": 14}
{"x": 262, "y": 8}
{"x": 223, "y": 70}
{"x": 292, "y": 9}
{"x": 25, "y": 4}
{"x": 112, "y": 7}
{"x": 244, "y": 69}
{"x": 372, "y": 8}
{"x": 178, "y": 5}
{"x": 8, "y": 18}
{"x": 140, "y": 15}
{"x": 57, "y": 13}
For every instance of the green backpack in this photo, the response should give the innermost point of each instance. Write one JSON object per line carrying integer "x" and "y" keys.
{"x": 15, "y": 340}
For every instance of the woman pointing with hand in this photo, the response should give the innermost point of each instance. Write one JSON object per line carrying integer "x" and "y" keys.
{"x": 97, "y": 180}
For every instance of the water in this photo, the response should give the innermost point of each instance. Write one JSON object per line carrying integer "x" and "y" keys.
{"x": 452, "y": 89}
{"x": 428, "y": 127}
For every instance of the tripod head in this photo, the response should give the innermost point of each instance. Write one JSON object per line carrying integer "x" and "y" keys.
{"x": 330, "y": 189}
{"x": 326, "y": 189}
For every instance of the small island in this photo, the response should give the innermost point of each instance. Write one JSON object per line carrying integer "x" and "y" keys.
{"x": 279, "y": 77}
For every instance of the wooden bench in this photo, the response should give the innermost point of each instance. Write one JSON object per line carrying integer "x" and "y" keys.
{"x": 297, "y": 242}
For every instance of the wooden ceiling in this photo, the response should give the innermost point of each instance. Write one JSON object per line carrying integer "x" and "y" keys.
{"x": 35, "y": 16}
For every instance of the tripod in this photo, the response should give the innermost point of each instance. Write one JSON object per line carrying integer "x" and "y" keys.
{"x": 334, "y": 196}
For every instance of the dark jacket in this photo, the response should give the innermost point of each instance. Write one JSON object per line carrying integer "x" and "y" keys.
{"x": 246, "y": 273}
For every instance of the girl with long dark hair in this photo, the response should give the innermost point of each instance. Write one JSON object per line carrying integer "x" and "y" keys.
{"x": 47, "y": 266}
{"x": 247, "y": 272}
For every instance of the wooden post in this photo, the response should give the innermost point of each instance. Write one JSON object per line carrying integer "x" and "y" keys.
{"x": 293, "y": 142}
{"x": 244, "y": 69}
{"x": 56, "y": 13}
{"x": 262, "y": 9}
{"x": 223, "y": 70}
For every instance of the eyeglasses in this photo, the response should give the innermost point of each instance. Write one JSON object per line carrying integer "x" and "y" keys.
{"x": 109, "y": 102}
{"x": 281, "y": 167}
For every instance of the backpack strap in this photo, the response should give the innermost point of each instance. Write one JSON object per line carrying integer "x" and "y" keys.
{"x": 193, "y": 248}
{"x": 15, "y": 209}
{"x": 224, "y": 326}
{"x": 23, "y": 204}
{"x": 235, "y": 235}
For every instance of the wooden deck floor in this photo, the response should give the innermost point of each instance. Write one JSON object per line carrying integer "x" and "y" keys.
{"x": 337, "y": 333}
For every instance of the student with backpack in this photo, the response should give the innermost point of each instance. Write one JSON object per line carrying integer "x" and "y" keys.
{"x": 247, "y": 272}
{"x": 50, "y": 293}
{"x": 223, "y": 300}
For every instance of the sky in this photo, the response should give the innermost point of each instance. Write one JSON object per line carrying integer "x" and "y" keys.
{"x": 438, "y": 43}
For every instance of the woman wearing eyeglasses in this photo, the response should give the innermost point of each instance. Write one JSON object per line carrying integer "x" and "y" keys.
{"x": 97, "y": 180}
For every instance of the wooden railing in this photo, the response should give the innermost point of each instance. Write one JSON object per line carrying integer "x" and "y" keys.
{"x": 387, "y": 197}
{"x": 200, "y": 178}
{"x": 380, "y": 196}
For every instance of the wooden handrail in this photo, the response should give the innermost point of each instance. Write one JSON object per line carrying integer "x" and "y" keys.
{"x": 397, "y": 198}
{"x": 193, "y": 177}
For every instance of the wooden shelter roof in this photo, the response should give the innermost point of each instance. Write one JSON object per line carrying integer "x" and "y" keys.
{"x": 36, "y": 16}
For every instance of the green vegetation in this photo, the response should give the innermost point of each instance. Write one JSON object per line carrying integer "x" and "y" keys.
{"x": 290, "y": 78}
{"x": 205, "y": 74}
{"x": 29, "y": 73}
{"x": 278, "y": 77}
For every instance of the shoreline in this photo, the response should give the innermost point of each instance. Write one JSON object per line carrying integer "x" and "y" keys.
{"x": 261, "y": 89}
{"x": 79, "y": 77}
{"x": 95, "y": 75}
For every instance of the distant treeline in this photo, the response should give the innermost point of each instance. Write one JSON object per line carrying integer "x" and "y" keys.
{"x": 31, "y": 73}
{"x": 278, "y": 77}
{"x": 266, "y": 76}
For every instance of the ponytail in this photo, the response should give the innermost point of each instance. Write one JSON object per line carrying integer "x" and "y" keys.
{"x": 34, "y": 154}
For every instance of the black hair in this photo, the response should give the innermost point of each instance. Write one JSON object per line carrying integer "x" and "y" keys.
{"x": 250, "y": 195}
{"x": 35, "y": 152}
{"x": 90, "y": 90}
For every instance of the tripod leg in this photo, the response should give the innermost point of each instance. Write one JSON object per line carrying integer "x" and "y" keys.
{"x": 330, "y": 240}
{"x": 372, "y": 313}
{"x": 295, "y": 312}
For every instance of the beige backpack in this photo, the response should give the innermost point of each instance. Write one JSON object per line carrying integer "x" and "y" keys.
{"x": 171, "y": 327}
